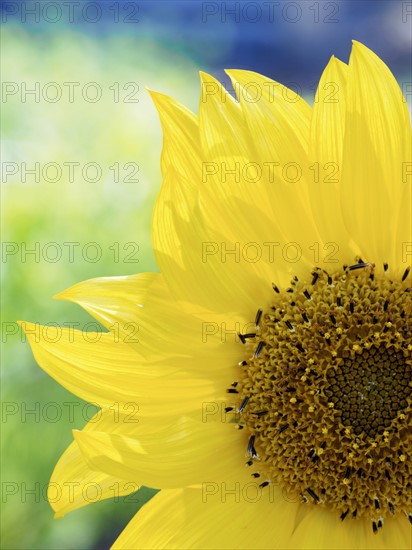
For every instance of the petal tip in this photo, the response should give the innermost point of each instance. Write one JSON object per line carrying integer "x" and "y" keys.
{"x": 60, "y": 295}
{"x": 25, "y": 326}
{"x": 357, "y": 44}
{"x": 159, "y": 99}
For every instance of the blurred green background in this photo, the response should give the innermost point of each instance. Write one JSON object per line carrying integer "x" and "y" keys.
{"x": 162, "y": 45}
{"x": 113, "y": 212}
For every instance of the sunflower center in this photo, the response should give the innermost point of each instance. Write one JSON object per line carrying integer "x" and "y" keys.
{"x": 325, "y": 393}
{"x": 371, "y": 389}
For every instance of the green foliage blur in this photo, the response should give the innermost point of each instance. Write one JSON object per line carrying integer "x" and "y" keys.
{"x": 113, "y": 212}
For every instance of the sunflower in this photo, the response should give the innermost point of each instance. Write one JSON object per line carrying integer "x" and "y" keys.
{"x": 262, "y": 380}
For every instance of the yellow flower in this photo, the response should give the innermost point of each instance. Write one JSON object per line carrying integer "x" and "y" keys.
{"x": 282, "y": 308}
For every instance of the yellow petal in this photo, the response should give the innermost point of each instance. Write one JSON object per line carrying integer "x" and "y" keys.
{"x": 116, "y": 303}
{"x": 184, "y": 453}
{"x": 240, "y": 208}
{"x": 278, "y": 122}
{"x": 180, "y": 148}
{"x": 403, "y": 222}
{"x": 325, "y": 153}
{"x": 243, "y": 191}
{"x": 377, "y": 145}
{"x": 222, "y": 127}
{"x": 107, "y": 373}
{"x": 323, "y": 530}
{"x": 73, "y": 485}
{"x": 328, "y": 117}
{"x": 277, "y": 118}
{"x": 140, "y": 311}
{"x": 187, "y": 247}
{"x": 215, "y": 517}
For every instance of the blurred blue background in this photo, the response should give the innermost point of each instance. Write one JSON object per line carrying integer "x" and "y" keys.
{"x": 287, "y": 40}
{"x": 105, "y": 124}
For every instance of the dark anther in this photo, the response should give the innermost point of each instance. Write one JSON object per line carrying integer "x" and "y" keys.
{"x": 311, "y": 453}
{"x": 391, "y": 507}
{"x": 339, "y": 301}
{"x": 234, "y": 384}
{"x": 264, "y": 484}
{"x": 344, "y": 514}
{"x": 372, "y": 276}
{"x": 250, "y": 447}
{"x": 315, "y": 459}
{"x": 290, "y": 389}
{"x": 258, "y": 317}
{"x": 260, "y": 413}
{"x": 374, "y": 527}
{"x": 255, "y": 475}
{"x": 410, "y": 518}
{"x": 232, "y": 390}
{"x": 275, "y": 288}
{"x": 290, "y": 290}
{"x": 385, "y": 266}
{"x": 380, "y": 524}
{"x": 330, "y": 280}
{"x": 289, "y": 325}
{"x": 351, "y": 307}
{"x": 359, "y": 265}
{"x": 249, "y": 463}
{"x": 377, "y": 504}
{"x": 243, "y": 404}
{"x": 300, "y": 347}
{"x": 406, "y": 273}
{"x": 354, "y": 513}
{"x": 313, "y": 494}
{"x": 315, "y": 277}
{"x": 259, "y": 349}
{"x": 307, "y": 295}
{"x": 305, "y": 317}
{"x": 332, "y": 318}
{"x": 385, "y": 305}
{"x": 243, "y": 363}
{"x": 387, "y": 475}
{"x": 229, "y": 409}
{"x": 244, "y": 337}
{"x": 283, "y": 428}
